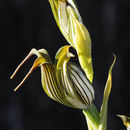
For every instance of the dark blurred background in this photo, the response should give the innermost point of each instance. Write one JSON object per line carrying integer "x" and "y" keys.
{"x": 27, "y": 24}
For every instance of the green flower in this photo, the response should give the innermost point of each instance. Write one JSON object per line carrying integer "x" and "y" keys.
{"x": 126, "y": 121}
{"x": 70, "y": 23}
{"x": 63, "y": 81}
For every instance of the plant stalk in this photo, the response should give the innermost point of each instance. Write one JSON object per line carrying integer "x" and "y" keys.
{"x": 92, "y": 117}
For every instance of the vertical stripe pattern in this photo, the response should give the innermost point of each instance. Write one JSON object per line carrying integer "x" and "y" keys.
{"x": 81, "y": 83}
{"x": 63, "y": 81}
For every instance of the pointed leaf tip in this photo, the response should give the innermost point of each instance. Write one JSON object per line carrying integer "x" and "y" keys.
{"x": 103, "y": 111}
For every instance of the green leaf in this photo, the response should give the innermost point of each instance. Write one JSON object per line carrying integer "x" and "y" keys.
{"x": 82, "y": 44}
{"x": 70, "y": 23}
{"x": 103, "y": 111}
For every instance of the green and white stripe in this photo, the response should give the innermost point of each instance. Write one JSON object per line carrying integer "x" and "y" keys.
{"x": 64, "y": 81}
{"x": 82, "y": 84}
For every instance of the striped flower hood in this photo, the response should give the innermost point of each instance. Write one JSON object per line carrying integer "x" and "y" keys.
{"x": 63, "y": 81}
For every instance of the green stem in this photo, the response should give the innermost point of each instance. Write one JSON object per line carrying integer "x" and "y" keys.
{"x": 89, "y": 125}
{"x": 92, "y": 117}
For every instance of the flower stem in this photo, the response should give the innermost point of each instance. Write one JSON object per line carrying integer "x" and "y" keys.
{"x": 92, "y": 117}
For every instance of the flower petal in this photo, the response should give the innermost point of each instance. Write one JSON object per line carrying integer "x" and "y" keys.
{"x": 43, "y": 57}
{"x": 78, "y": 90}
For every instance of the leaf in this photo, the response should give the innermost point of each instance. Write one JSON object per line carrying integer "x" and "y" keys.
{"x": 82, "y": 44}
{"x": 103, "y": 111}
{"x": 70, "y": 23}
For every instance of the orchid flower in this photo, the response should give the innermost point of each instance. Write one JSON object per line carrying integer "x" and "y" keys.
{"x": 63, "y": 81}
